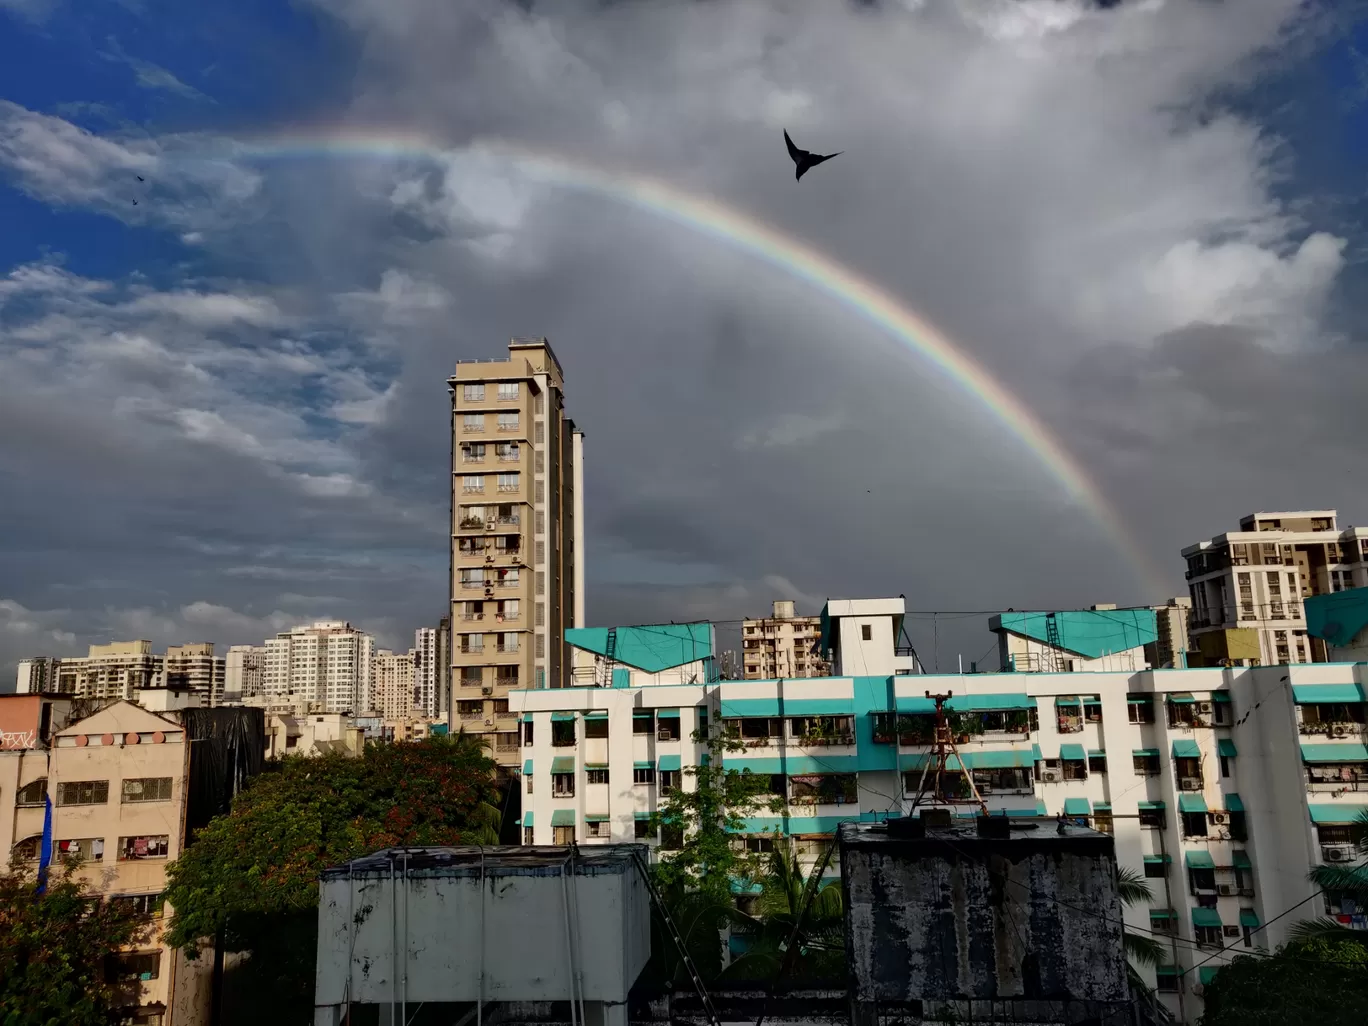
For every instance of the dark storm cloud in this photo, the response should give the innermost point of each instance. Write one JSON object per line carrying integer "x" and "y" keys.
{"x": 226, "y": 454}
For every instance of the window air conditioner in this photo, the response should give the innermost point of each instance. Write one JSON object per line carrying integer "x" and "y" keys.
{"x": 664, "y": 735}
{"x": 1192, "y": 783}
{"x": 1226, "y": 890}
{"x": 488, "y": 689}
{"x": 1222, "y": 834}
{"x": 1338, "y": 852}
{"x": 1049, "y": 776}
{"x": 1204, "y": 707}
{"x": 489, "y": 723}
{"x": 1220, "y": 817}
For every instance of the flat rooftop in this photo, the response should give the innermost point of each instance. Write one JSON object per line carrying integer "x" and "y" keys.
{"x": 494, "y": 860}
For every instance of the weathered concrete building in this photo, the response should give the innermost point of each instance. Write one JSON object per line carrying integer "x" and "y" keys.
{"x": 993, "y": 920}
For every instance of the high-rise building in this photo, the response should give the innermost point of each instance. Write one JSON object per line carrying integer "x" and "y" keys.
{"x": 1170, "y": 648}
{"x": 517, "y": 535}
{"x": 111, "y": 671}
{"x": 328, "y": 662}
{"x": 432, "y": 681}
{"x": 782, "y": 645}
{"x": 37, "y": 676}
{"x": 392, "y": 684}
{"x": 1247, "y": 586}
{"x": 243, "y": 669}
{"x": 195, "y": 668}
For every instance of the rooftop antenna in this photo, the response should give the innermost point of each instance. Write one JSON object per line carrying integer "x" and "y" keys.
{"x": 937, "y": 766}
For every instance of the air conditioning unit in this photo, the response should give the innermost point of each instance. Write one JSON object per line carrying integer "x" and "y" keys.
{"x": 1220, "y": 817}
{"x": 1204, "y": 707}
{"x": 489, "y": 723}
{"x": 1191, "y": 783}
{"x": 1339, "y": 730}
{"x": 1049, "y": 776}
{"x": 664, "y": 735}
{"x": 1226, "y": 890}
{"x": 488, "y": 689}
{"x": 489, "y": 558}
{"x": 1338, "y": 852}
{"x": 1230, "y": 931}
{"x": 489, "y": 592}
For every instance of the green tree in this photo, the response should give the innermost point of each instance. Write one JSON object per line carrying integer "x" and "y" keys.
{"x": 54, "y": 949}
{"x": 1321, "y": 981}
{"x": 251, "y": 877}
{"x": 1342, "y": 881}
{"x": 703, "y": 822}
{"x": 1141, "y": 948}
{"x": 821, "y": 939}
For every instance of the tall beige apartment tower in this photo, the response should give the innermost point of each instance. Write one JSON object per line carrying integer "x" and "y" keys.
{"x": 782, "y": 645}
{"x": 517, "y": 535}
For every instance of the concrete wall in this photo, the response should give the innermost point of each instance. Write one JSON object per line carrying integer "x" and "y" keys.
{"x": 429, "y": 936}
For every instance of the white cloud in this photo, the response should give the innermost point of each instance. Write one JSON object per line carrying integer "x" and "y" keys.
{"x": 791, "y": 429}
{"x": 209, "y": 309}
{"x": 149, "y": 75}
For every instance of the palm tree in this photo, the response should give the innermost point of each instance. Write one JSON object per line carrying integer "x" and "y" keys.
{"x": 821, "y": 939}
{"x": 1350, "y": 881}
{"x": 1141, "y": 948}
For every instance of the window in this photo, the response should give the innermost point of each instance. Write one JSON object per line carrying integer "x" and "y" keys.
{"x": 1166, "y": 979}
{"x": 538, "y": 493}
{"x": 508, "y": 422}
{"x": 1000, "y": 780}
{"x": 508, "y": 482}
{"x": 643, "y": 830}
{"x": 527, "y": 732}
{"x": 1097, "y": 763}
{"x": 507, "y": 641}
{"x": 32, "y": 794}
{"x": 142, "y": 965}
{"x": 1146, "y": 763}
{"x": 596, "y": 727}
{"x": 507, "y": 452}
{"x": 824, "y": 789}
{"x": 1162, "y": 921}
{"x": 508, "y": 390}
{"x": 147, "y": 789}
{"x": 562, "y": 785}
{"x": 472, "y": 483}
{"x": 528, "y": 778}
{"x": 1194, "y": 824}
{"x": 866, "y": 632}
{"x": 1207, "y": 935}
{"x": 87, "y": 849}
{"x": 527, "y": 836}
{"x": 643, "y": 723}
{"x": 669, "y": 728}
{"x": 470, "y": 710}
{"x": 501, "y": 707}
{"x": 473, "y": 452}
{"x": 563, "y": 835}
{"x": 147, "y": 904}
{"x": 473, "y": 422}
{"x": 1225, "y": 765}
{"x": 1156, "y": 867}
{"x": 669, "y": 780}
{"x": 147, "y": 846}
{"x": 671, "y": 836}
{"x": 596, "y": 775}
{"x": 643, "y": 775}
{"x": 1152, "y": 818}
{"x": 509, "y": 609}
{"x": 506, "y": 676}
{"x": 597, "y": 828}
{"x": 472, "y": 643}
{"x": 1140, "y": 708}
{"x": 1102, "y": 820}
{"x": 473, "y": 393}
{"x": 83, "y": 792}
{"x": 562, "y": 733}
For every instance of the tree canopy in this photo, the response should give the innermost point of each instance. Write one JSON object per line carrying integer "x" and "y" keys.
{"x": 1319, "y": 980}
{"x": 251, "y": 877}
{"x": 54, "y": 949}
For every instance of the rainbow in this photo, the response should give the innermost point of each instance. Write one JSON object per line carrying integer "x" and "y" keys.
{"x": 781, "y": 251}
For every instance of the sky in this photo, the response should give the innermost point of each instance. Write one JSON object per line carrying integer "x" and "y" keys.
{"x": 243, "y": 245}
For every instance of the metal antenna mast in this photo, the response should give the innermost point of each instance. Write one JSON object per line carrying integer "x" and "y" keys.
{"x": 938, "y": 764}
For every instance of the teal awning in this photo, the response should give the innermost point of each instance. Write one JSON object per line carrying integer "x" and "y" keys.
{"x": 527, "y": 767}
{"x": 1180, "y": 698}
{"x": 1009, "y": 759}
{"x": 997, "y": 702}
{"x": 642, "y": 714}
{"x": 1096, "y": 753}
{"x": 1220, "y": 696}
{"x": 1067, "y": 700}
{"x": 1328, "y": 815}
{"x": 563, "y": 764}
{"x": 1250, "y": 918}
{"x": 1329, "y": 694}
{"x": 669, "y": 762}
{"x": 733, "y": 708}
{"x": 1344, "y": 751}
{"x": 1151, "y": 805}
{"x": 563, "y": 817}
{"x": 667, "y": 714}
{"x": 527, "y": 819}
{"x": 1077, "y": 807}
{"x": 806, "y": 765}
{"x": 596, "y": 715}
{"x": 595, "y": 817}
{"x": 1191, "y": 803}
{"x": 745, "y": 886}
{"x": 1159, "y": 859}
{"x": 1102, "y": 806}
{"x": 1186, "y": 748}
{"x": 1206, "y": 917}
{"x": 1226, "y": 747}
{"x": 595, "y": 766}
{"x": 1145, "y": 753}
{"x": 643, "y": 765}
{"x": 562, "y": 716}
{"x": 1074, "y": 753}
{"x": 1199, "y": 860}
{"x": 1161, "y": 913}
{"x": 1207, "y": 973}
{"x": 1166, "y": 970}
{"x": 1233, "y": 803}
{"x": 1240, "y": 860}
{"x": 819, "y": 707}
{"x": 641, "y": 815}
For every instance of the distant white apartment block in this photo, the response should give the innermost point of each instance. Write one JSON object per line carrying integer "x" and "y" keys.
{"x": 37, "y": 675}
{"x": 196, "y": 669}
{"x": 328, "y": 662}
{"x": 1223, "y": 786}
{"x": 392, "y": 684}
{"x": 432, "y": 685}
{"x": 112, "y": 671}
{"x": 244, "y": 672}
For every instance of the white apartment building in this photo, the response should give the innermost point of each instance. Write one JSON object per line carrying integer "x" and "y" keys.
{"x": 1247, "y": 586}
{"x": 392, "y": 684}
{"x": 196, "y": 669}
{"x": 328, "y": 662}
{"x": 243, "y": 673}
{"x": 37, "y": 676}
{"x": 432, "y": 685}
{"x": 1223, "y": 786}
{"x": 782, "y": 645}
{"x": 112, "y": 671}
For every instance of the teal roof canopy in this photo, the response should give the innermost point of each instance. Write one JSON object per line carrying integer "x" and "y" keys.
{"x": 1207, "y": 973}
{"x": 1240, "y": 859}
{"x": 1191, "y": 803}
{"x": 527, "y": 819}
{"x": 527, "y": 767}
{"x": 1206, "y": 917}
{"x": 1073, "y": 753}
{"x": 1234, "y": 803}
{"x": 1330, "y": 694}
{"x": 1186, "y": 748}
{"x": 563, "y": 764}
{"x": 1077, "y": 807}
{"x": 650, "y": 649}
{"x": 669, "y": 763}
{"x": 563, "y": 817}
{"x": 1337, "y": 814}
{"x": 1199, "y": 860}
{"x": 1089, "y": 633}
{"x": 1337, "y": 617}
{"x": 1225, "y": 746}
{"x": 1349, "y": 751}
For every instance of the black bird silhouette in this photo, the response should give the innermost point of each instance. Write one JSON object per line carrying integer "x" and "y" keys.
{"x": 804, "y": 159}
{"x": 135, "y": 203}
{"x": 138, "y": 177}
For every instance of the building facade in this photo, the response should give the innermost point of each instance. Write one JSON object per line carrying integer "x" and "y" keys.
{"x": 1247, "y": 586}
{"x": 393, "y": 684}
{"x": 37, "y": 676}
{"x": 195, "y": 668}
{"x": 1222, "y": 786}
{"x": 111, "y": 672}
{"x": 782, "y": 645}
{"x": 243, "y": 669}
{"x": 117, "y": 782}
{"x": 328, "y": 663}
{"x": 1075, "y": 640}
{"x": 517, "y": 535}
{"x": 432, "y": 685}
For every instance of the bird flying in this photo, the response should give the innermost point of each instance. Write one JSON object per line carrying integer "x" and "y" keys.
{"x": 805, "y": 160}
